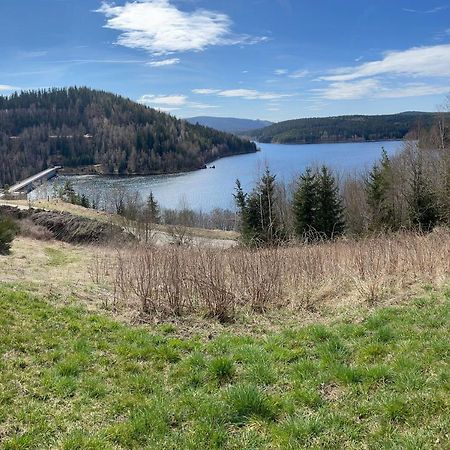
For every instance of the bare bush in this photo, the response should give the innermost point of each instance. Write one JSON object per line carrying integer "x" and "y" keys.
{"x": 214, "y": 284}
{"x": 258, "y": 277}
{"x": 29, "y": 229}
{"x": 176, "y": 281}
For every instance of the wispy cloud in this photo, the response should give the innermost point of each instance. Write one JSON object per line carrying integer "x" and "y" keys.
{"x": 433, "y": 61}
{"x": 374, "y": 88}
{"x": 7, "y": 87}
{"x": 172, "y": 102}
{"x": 33, "y": 54}
{"x": 164, "y": 62}
{"x": 247, "y": 94}
{"x": 194, "y": 105}
{"x": 299, "y": 74}
{"x": 159, "y": 27}
{"x": 427, "y": 11}
{"x": 101, "y": 61}
{"x": 281, "y": 72}
{"x": 205, "y": 91}
{"x": 414, "y": 72}
{"x": 166, "y": 100}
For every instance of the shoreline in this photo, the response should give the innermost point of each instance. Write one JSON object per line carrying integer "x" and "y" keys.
{"x": 332, "y": 142}
{"x": 76, "y": 170}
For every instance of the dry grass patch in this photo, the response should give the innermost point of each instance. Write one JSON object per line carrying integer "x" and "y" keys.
{"x": 226, "y": 284}
{"x": 54, "y": 269}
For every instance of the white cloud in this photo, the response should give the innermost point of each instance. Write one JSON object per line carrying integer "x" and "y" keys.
{"x": 431, "y": 61}
{"x": 169, "y": 103}
{"x": 299, "y": 74}
{"x": 33, "y": 54}
{"x": 248, "y": 94}
{"x": 427, "y": 11}
{"x": 165, "y": 100}
{"x": 201, "y": 106}
{"x": 164, "y": 62}
{"x": 7, "y": 87}
{"x": 159, "y": 27}
{"x": 205, "y": 91}
{"x": 374, "y": 88}
{"x": 281, "y": 72}
{"x": 251, "y": 94}
{"x": 166, "y": 110}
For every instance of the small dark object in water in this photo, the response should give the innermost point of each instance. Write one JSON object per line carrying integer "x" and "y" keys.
{"x": 212, "y": 167}
{"x": 204, "y": 166}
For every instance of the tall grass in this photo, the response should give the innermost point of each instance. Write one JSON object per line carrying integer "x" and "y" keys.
{"x": 176, "y": 281}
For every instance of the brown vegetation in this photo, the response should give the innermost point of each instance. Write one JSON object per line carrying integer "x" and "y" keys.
{"x": 223, "y": 284}
{"x": 64, "y": 226}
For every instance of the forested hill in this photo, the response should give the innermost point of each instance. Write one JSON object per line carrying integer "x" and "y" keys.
{"x": 344, "y": 128}
{"x": 229, "y": 124}
{"x": 79, "y": 127}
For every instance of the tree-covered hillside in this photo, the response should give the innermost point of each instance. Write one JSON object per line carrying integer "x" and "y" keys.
{"x": 229, "y": 124}
{"x": 77, "y": 127}
{"x": 344, "y": 128}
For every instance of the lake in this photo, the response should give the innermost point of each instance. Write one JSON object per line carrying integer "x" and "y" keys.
{"x": 210, "y": 188}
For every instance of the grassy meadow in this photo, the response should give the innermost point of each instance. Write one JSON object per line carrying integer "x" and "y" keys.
{"x": 71, "y": 379}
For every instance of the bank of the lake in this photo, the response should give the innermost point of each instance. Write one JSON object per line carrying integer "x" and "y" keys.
{"x": 211, "y": 188}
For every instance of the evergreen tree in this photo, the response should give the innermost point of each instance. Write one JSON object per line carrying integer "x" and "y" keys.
{"x": 240, "y": 197}
{"x": 330, "y": 221}
{"x": 152, "y": 209}
{"x": 8, "y": 231}
{"x": 378, "y": 185}
{"x": 259, "y": 221}
{"x": 84, "y": 201}
{"x": 424, "y": 213}
{"x": 271, "y": 229}
{"x": 305, "y": 204}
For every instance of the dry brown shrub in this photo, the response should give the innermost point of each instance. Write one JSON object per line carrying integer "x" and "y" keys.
{"x": 257, "y": 277}
{"x": 29, "y": 229}
{"x": 172, "y": 280}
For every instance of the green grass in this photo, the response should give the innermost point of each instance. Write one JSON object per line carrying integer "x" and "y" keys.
{"x": 73, "y": 380}
{"x": 56, "y": 257}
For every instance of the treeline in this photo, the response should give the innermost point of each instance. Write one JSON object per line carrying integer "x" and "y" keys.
{"x": 410, "y": 191}
{"x": 345, "y": 128}
{"x": 78, "y": 127}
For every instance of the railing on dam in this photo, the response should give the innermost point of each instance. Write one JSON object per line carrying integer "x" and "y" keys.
{"x": 27, "y": 184}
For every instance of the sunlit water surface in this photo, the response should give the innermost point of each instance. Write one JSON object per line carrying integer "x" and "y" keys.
{"x": 211, "y": 188}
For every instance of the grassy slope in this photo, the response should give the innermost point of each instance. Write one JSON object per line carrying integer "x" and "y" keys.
{"x": 72, "y": 380}
{"x": 102, "y": 216}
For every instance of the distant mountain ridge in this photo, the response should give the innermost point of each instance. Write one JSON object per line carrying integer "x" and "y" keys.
{"x": 229, "y": 124}
{"x": 355, "y": 128}
{"x": 90, "y": 131}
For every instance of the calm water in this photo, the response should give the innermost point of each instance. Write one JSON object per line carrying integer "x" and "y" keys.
{"x": 210, "y": 188}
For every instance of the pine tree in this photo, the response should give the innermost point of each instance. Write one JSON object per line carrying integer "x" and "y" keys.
{"x": 8, "y": 231}
{"x": 305, "y": 204}
{"x": 152, "y": 209}
{"x": 240, "y": 197}
{"x": 84, "y": 201}
{"x": 271, "y": 230}
{"x": 378, "y": 185}
{"x": 422, "y": 203}
{"x": 259, "y": 220}
{"x": 330, "y": 221}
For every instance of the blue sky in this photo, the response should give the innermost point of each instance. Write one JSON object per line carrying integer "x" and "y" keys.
{"x": 267, "y": 59}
